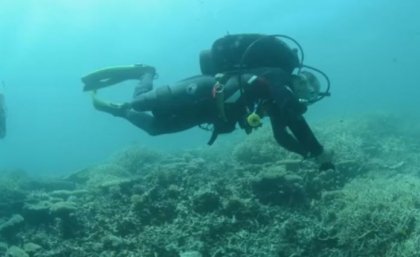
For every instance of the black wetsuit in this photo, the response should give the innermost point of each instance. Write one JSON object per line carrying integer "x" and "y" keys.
{"x": 264, "y": 76}
{"x": 184, "y": 105}
{"x": 191, "y": 102}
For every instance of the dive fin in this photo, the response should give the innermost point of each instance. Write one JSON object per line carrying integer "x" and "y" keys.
{"x": 114, "y": 75}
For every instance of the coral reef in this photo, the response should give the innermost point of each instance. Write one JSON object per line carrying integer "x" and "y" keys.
{"x": 372, "y": 217}
{"x": 248, "y": 199}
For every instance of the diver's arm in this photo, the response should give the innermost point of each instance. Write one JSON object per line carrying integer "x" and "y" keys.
{"x": 302, "y": 142}
{"x": 303, "y": 133}
{"x": 284, "y": 138}
{"x": 287, "y": 112}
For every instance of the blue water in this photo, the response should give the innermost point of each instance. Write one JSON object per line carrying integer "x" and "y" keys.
{"x": 368, "y": 48}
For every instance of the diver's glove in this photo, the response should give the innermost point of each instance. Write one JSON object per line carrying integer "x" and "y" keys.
{"x": 325, "y": 160}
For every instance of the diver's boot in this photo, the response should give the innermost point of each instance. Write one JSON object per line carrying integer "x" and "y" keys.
{"x": 119, "y": 110}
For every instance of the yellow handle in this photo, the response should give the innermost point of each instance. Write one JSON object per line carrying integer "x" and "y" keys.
{"x": 254, "y": 120}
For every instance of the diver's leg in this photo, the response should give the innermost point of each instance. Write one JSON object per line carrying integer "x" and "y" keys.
{"x": 158, "y": 98}
{"x": 145, "y": 85}
{"x": 303, "y": 133}
{"x": 184, "y": 93}
{"x": 119, "y": 110}
{"x": 160, "y": 125}
{"x": 146, "y": 121}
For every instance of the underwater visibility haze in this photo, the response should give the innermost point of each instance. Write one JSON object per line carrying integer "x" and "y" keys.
{"x": 78, "y": 182}
{"x": 368, "y": 49}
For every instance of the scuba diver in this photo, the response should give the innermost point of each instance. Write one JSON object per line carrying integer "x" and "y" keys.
{"x": 244, "y": 78}
{"x": 2, "y": 113}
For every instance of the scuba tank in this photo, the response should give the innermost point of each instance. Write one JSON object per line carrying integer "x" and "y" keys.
{"x": 227, "y": 54}
{"x": 235, "y": 55}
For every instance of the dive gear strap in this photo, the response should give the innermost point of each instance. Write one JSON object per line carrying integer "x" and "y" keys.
{"x": 218, "y": 95}
{"x": 251, "y": 117}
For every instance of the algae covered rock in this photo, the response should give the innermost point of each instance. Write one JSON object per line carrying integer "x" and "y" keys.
{"x": 136, "y": 159}
{"x": 153, "y": 211}
{"x": 49, "y": 185}
{"x": 265, "y": 203}
{"x": 190, "y": 254}
{"x": 37, "y": 212}
{"x": 377, "y": 217}
{"x": 12, "y": 226}
{"x": 112, "y": 242}
{"x": 16, "y": 252}
{"x": 67, "y": 194}
{"x": 276, "y": 186}
{"x": 259, "y": 148}
{"x": 62, "y": 209}
{"x": 3, "y": 248}
{"x": 43, "y": 209}
{"x": 206, "y": 202}
{"x": 104, "y": 175}
{"x": 11, "y": 200}
{"x": 32, "y": 248}
{"x": 242, "y": 210}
